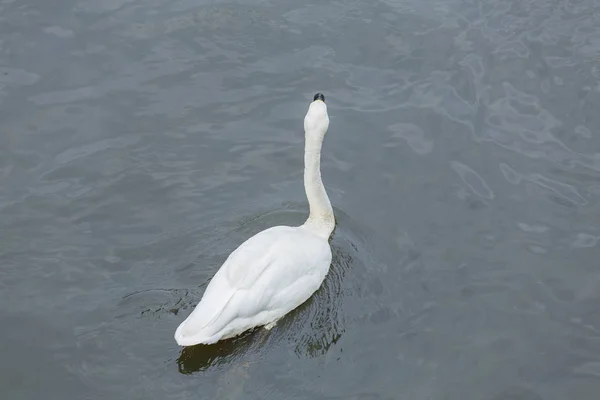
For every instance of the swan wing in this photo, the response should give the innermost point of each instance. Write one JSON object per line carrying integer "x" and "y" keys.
{"x": 267, "y": 276}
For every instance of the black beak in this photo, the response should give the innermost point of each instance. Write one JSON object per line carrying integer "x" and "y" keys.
{"x": 319, "y": 96}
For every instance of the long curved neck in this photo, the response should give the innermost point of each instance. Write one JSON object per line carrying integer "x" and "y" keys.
{"x": 321, "y": 219}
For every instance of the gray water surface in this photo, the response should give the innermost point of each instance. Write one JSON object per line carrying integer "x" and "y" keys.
{"x": 141, "y": 141}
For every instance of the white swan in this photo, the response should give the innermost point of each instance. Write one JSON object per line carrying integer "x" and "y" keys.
{"x": 275, "y": 270}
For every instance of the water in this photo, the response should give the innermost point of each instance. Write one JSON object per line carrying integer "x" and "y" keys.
{"x": 142, "y": 141}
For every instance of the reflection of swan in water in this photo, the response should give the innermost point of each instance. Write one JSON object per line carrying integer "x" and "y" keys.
{"x": 277, "y": 269}
{"x": 200, "y": 358}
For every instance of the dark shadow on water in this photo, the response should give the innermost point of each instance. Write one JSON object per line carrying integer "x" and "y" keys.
{"x": 201, "y": 357}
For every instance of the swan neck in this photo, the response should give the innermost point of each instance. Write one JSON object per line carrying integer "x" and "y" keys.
{"x": 321, "y": 219}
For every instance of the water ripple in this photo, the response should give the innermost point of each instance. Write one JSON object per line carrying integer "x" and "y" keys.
{"x": 473, "y": 180}
{"x": 413, "y": 135}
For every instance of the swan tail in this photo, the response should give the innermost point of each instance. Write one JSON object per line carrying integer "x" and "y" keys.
{"x": 204, "y": 325}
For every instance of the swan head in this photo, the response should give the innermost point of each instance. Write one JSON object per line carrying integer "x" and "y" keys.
{"x": 316, "y": 121}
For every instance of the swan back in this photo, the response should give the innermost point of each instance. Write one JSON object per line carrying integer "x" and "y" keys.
{"x": 265, "y": 278}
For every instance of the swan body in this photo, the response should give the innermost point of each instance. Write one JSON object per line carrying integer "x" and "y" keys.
{"x": 276, "y": 270}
